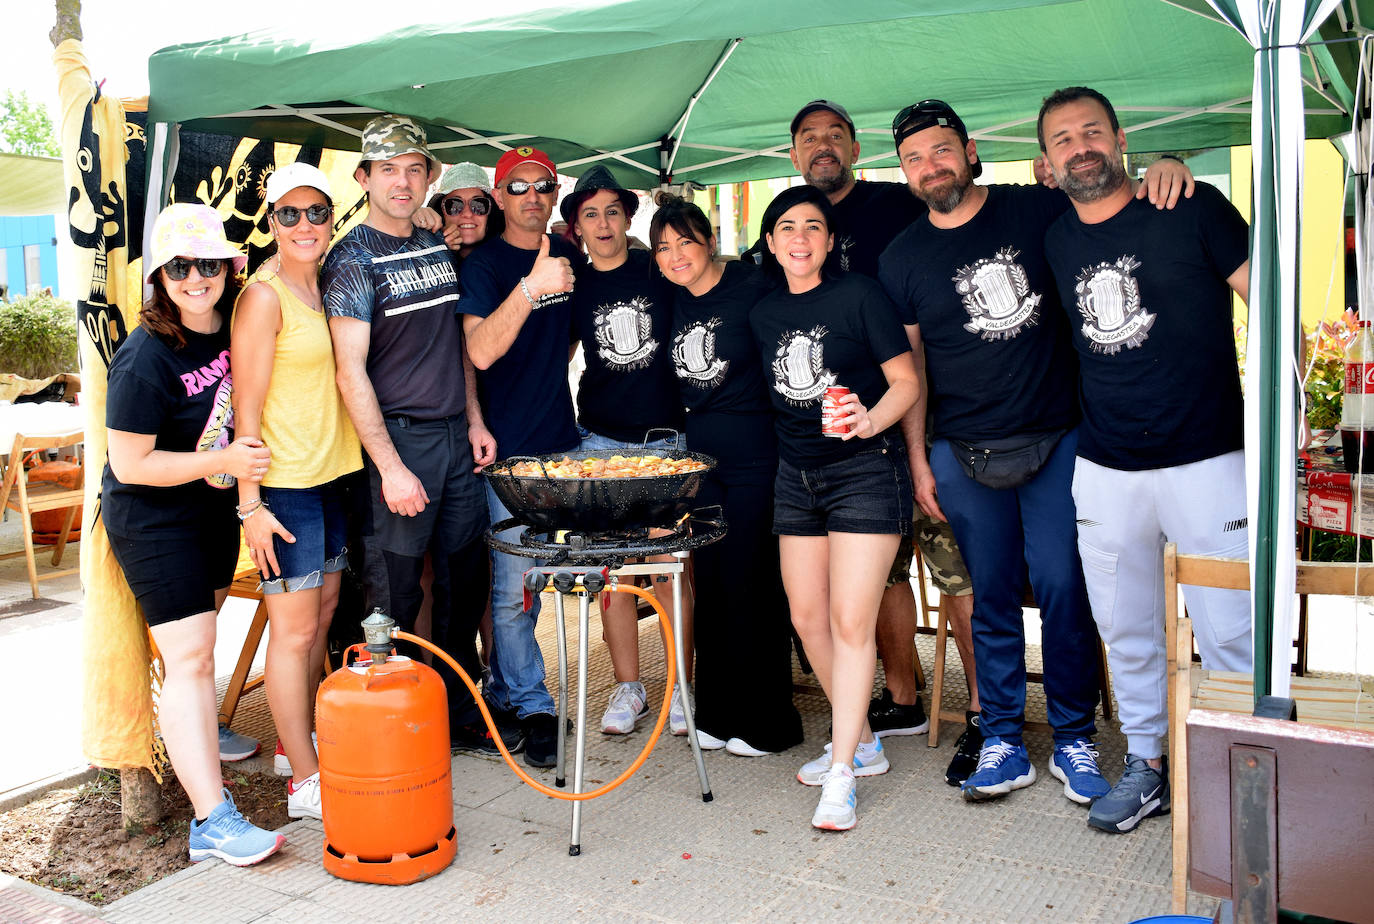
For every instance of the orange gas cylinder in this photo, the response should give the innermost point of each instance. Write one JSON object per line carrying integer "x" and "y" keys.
{"x": 385, "y": 787}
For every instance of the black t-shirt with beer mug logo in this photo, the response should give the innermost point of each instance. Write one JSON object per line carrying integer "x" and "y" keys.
{"x": 1150, "y": 308}
{"x": 839, "y": 333}
{"x": 999, "y": 361}
{"x": 624, "y": 319}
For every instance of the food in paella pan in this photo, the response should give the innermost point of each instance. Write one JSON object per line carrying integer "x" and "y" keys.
{"x": 616, "y": 466}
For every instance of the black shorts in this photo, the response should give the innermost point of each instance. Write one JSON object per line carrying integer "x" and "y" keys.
{"x": 173, "y": 577}
{"x": 867, "y": 493}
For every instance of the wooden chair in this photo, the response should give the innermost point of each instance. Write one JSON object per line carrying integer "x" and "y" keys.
{"x": 27, "y": 498}
{"x": 1329, "y": 578}
{"x": 937, "y": 711}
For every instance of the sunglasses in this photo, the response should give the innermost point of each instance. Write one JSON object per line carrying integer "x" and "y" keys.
{"x": 480, "y": 205}
{"x": 520, "y": 187}
{"x": 178, "y": 268}
{"x": 288, "y": 215}
{"x": 924, "y": 111}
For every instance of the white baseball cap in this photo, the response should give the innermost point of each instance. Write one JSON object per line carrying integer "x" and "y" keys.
{"x": 290, "y": 176}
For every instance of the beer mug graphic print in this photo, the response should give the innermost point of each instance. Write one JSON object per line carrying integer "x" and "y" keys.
{"x": 799, "y": 372}
{"x": 1109, "y": 301}
{"x": 623, "y": 333}
{"x": 694, "y": 354}
{"x": 997, "y": 296}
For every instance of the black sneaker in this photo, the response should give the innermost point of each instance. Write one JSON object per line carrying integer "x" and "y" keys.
{"x": 472, "y": 739}
{"x": 541, "y": 747}
{"x": 513, "y": 732}
{"x": 888, "y": 718}
{"x": 966, "y": 751}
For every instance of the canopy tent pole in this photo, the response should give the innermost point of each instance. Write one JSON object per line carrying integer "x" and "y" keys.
{"x": 1275, "y": 29}
{"x": 680, "y": 129}
{"x": 162, "y": 167}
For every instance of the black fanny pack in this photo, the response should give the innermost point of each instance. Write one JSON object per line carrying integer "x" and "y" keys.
{"x": 1005, "y": 463}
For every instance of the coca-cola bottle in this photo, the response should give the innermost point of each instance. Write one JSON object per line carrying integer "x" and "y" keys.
{"x": 1357, "y": 408}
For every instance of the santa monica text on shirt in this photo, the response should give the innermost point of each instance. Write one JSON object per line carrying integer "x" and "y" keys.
{"x": 428, "y": 276}
{"x": 207, "y": 375}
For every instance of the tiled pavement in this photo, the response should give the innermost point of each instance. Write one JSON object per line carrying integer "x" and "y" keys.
{"x": 652, "y": 850}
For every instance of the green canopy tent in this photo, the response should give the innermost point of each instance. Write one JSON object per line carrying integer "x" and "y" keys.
{"x": 704, "y": 91}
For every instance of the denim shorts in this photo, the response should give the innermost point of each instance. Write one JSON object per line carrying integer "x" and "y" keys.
{"x": 316, "y": 517}
{"x": 595, "y": 441}
{"x": 868, "y": 493}
{"x": 177, "y": 576}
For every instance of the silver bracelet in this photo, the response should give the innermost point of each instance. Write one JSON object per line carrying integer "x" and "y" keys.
{"x": 525, "y": 290}
{"x": 253, "y": 507}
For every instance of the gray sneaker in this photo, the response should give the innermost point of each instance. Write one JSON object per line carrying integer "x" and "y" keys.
{"x": 1142, "y": 792}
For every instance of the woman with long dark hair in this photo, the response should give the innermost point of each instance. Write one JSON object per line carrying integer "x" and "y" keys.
{"x": 167, "y": 500}
{"x": 840, "y": 505}
{"x": 294, "y": 522}
{"x": 744, "y": 652}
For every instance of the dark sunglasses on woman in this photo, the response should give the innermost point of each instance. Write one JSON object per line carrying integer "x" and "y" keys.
{"x": 480, "y": 205}
{"x": 317, "y": 214}
{"x": 178, "y": 268}
{"x": 520, "y": 187}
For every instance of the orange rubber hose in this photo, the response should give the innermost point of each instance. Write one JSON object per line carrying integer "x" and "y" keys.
{"x": 669, "y": 653}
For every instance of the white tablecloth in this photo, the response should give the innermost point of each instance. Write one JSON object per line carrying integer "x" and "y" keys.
{"x": 38, "y": 420}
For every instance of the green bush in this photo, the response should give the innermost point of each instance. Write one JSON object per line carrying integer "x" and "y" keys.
{"x": 37, "y": 336}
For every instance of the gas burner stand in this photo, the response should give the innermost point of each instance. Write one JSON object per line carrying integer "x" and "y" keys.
{"x": 580, "y": 565}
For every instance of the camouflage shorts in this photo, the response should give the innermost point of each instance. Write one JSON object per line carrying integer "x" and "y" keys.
{"x": 940, "y": 554}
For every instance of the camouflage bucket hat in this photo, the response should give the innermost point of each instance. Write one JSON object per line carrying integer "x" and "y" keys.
{"x": 389, "y": 136}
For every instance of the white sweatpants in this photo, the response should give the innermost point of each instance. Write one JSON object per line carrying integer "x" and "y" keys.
{"x": 1124, "y": 520}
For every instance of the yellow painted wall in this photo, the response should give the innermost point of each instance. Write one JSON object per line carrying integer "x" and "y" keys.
{"x": 1322, "y": 272}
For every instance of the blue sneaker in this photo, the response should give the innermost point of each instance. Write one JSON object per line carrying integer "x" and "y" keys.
{"x": 233, "y": 746}
{"x": 231, "y": 837}
{"x": 1075, "y": 765}
{"x": 1002, "y": 767}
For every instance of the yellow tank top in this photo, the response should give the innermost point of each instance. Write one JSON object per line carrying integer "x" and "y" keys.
{"x": 304, "y": 421}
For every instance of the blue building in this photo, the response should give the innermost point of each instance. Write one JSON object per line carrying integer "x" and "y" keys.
{"x": 28, "y": 255}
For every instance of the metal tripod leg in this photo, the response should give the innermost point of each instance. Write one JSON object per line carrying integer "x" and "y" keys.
{"x": 680, "y": 651}
{"x": 561, "y": 633}
{"x": 580, "y": 742}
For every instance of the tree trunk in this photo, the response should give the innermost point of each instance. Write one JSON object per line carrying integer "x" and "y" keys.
{"x": 140, "y": 800}
{"x": 68, "y": 25}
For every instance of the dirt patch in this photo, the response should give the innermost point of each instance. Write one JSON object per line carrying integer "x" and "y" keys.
{"x": 72, "y": 840}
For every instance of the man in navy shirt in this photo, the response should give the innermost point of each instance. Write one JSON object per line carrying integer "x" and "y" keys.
{"x": 517, "y": 315}
{"x": 390, "y": 292}
{"x": 1161, "y": 447}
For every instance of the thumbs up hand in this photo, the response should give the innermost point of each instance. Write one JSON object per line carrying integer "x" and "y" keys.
{"x": 550, "y": 274}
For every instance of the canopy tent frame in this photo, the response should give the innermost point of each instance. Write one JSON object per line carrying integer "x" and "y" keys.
{"x": 1301, "y": 86}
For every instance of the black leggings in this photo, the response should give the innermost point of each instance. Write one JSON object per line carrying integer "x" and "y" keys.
{"x": 742, "y": 624}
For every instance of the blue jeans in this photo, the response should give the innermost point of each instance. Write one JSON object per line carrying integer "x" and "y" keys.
{"x": 595, "y": 441}
{"x": 517, "y": 665}
{"x": 317, "y": 519}
{"x": 1003, "y": 535}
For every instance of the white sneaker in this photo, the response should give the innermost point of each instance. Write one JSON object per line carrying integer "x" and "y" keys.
{"x": 869, "y": 760}
{"x": 303, "y": 798}
{"x": 677, "y": 715}
{"x": 709, "y": 742}
{"x": 281, "y": 764}
{"x": 835, "y": 811}
{"x": 628, "y": 705}
{"x": 741, "y": 748}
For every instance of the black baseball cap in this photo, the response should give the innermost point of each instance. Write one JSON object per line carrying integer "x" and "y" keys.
{"x": 817, "y": 105}
{"x": 929, "y": 113}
